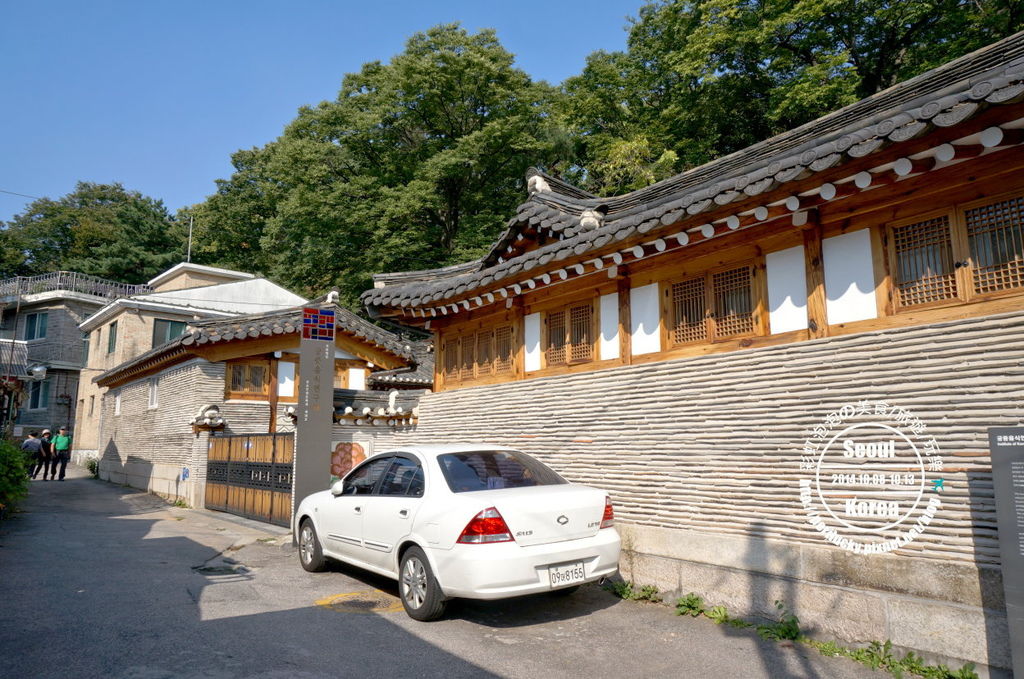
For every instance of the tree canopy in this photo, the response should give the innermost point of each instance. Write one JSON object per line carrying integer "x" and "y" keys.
{"x": 704, "y": 78}
{"x": 412, "y": 166}
{"x": 99, "y": 229}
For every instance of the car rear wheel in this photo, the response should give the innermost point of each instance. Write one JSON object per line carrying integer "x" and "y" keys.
{"x": 421, "y": 596}
{"x": 310, "y": 555}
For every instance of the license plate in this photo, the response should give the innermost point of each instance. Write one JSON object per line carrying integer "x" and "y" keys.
{"x": 566, "y": 574}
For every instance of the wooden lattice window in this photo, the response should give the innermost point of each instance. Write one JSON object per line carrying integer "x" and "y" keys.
{"x": 504, "y": 351}
{"x": 689, "y": 311}
{"x": 555, "y": 352}
{"x": 733, "y": 308}
{"x": 248, "y": 379}
{"x": 451, "y": 360}
{"x": 570, "y": 335}
{"x": 468, "y": 358}
{"x": 711, "y": 306}
{"x": 995, "y": 236}
{"x": 484, "y": 352}
{"x": 922, "y": 258}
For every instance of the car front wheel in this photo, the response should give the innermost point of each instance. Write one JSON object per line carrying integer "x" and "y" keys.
{"x": 420, "y": 593}
{"x": 310, "y": 555}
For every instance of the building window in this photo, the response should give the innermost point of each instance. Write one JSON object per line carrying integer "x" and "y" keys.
{"x": 248, "y": 379}
{"x": 39, "y": 395}
{"x": 956, "y": 254}
{"x": 85, "y": 349}
{"x": 570, "y": 335}
{"x": 92, "y": 404}
{"x": 153, "y": 402}
{"x": 995, "y": 237}
{"x": 117, "y": 403}
{"x": 164, "y": 331}
{"x": 35, "y": 326}
{"x": 478, "y": 356}
{"x": 714, "y": 305}
{"x": 111, "y": 337}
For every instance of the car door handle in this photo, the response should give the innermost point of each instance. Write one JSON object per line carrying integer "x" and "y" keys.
{"x": 403, "y": 513}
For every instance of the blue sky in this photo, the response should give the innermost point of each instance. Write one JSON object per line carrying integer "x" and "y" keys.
{"x": 157, "y": 95}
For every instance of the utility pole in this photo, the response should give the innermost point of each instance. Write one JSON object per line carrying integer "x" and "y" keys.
{"x": 188, "y": 257}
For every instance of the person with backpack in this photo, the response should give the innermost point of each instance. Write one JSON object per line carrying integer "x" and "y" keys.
{"x": 61, "y": 451}
{"x": 32, "y": 447}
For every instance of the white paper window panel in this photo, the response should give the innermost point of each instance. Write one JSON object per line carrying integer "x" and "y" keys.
{"x": 787, "y": 290}
{"x": 531, "y": 341}
{"x": 356, "y": 378}
{"x": 849, "y": 277}
{"x": 286, "y": 379}
{"x": 609, "y": 313}
{"x": 645, "y": 319}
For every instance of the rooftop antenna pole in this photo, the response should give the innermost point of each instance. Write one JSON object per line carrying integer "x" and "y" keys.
{"x": 188, "y": 257}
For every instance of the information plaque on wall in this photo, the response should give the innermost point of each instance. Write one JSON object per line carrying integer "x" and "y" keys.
{"x": 1007, "y": 447}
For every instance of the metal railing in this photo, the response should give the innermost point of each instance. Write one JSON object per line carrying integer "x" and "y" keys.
{"x": 72, "y": 281}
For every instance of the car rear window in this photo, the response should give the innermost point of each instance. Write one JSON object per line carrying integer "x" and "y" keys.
{"x": 494, "y": 470}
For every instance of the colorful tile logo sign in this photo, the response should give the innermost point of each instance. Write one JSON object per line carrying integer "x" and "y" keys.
{"x": 318, "y": 324}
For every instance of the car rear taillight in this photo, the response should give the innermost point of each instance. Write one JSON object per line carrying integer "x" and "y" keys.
{"x": 608, "y": 520}
{"x": 486, "y": 527}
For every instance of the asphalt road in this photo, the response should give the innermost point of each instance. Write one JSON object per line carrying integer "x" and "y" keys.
{"x": 97, "y": 580}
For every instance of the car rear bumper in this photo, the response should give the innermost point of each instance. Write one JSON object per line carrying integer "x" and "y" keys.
{"x": 507, "y": 569}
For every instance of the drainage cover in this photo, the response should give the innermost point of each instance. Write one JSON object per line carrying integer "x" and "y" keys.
{"x": 373, "y": 601}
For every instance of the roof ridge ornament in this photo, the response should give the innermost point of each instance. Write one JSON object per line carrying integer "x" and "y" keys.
{"x": 593, "y": 218}
{"x": 537, "y": 184}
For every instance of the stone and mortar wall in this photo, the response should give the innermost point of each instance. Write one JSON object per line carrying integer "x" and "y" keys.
{"x": 702, "y": 459}
{"x": 147, "y": 447}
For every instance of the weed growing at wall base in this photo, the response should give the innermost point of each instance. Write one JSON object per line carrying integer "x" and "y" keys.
{"x": 624, "y": 589}
{"x": 878, "y": 655}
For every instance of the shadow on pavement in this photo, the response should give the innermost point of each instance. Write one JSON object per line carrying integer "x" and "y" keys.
{"x": 94, "y": 584}
{"x": 516, "y": 612}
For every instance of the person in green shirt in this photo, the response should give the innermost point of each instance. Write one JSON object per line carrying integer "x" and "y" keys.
{"x": 62, "y": 451}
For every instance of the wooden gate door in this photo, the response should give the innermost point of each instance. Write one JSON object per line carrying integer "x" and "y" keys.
{"x": 251, "y": 475}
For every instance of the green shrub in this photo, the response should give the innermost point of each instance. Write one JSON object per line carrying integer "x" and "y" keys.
{"x": 93, "y": 465}
{"x": 13, "y": 476}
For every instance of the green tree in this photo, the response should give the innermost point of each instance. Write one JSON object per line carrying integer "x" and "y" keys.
{"x": 99, "y": 229}
{"x": 416, "y": 164}
{"x": 704, "y": 78}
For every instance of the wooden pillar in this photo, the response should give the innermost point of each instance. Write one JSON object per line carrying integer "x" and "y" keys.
{"x": 625, "y": 319}
{"x": 519, "y": 327}
{"x": 817, "y": 319}
{"x": 272, "y": 396}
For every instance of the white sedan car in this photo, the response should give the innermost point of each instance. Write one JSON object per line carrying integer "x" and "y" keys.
{"x": 473, "y": 521}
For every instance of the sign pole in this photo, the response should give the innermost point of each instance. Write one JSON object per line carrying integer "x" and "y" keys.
{"x": 1006, "y": 444}
{"x": 316, "y": 405}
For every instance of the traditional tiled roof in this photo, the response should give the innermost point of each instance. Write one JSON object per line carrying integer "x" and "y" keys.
{"x": 418, "y": 377}
{"x": 353, "y": 404}
{"x": 577, "y": 224}
{"x": 285, "y": 322}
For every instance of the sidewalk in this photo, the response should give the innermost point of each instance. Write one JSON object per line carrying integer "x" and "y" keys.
{"x": 98, "y": 580}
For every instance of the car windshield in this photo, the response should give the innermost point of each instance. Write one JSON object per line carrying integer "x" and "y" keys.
{"x": 493, "y": 470}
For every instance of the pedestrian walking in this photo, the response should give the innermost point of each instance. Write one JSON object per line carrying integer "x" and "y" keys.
{"x": 61, "y": 450}
{"x": 46, "y": 453}
{"x": 32, "y": 446}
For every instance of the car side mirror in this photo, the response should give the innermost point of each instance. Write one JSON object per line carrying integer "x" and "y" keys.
{"x": 337, "y": 488}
